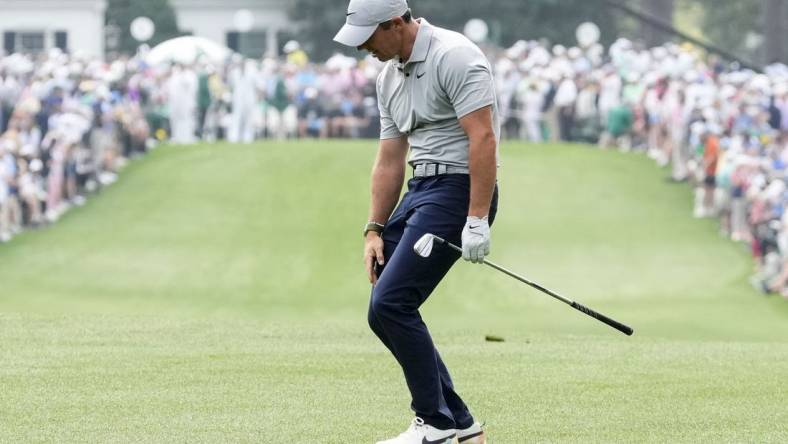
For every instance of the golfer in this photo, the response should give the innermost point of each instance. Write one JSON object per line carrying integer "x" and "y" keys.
{"x": 436, "y": 96}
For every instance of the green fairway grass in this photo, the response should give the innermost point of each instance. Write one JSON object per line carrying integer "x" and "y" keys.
{"x": 217, "y": 294}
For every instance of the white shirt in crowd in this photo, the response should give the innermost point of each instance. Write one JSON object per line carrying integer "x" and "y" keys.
{"x": 566, "y": 95}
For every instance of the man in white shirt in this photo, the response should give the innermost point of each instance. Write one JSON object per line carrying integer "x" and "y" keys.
{"x": 565, "y": 99}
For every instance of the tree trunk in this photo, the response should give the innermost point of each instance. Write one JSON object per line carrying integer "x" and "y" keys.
{"x": 661, "y": 10}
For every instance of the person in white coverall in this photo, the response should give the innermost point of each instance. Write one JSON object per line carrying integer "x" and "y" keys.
{"x": 182, "y": 100}
{"x": 243, "y": 81}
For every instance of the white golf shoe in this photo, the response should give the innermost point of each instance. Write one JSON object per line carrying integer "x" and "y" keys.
{"x": 420, "y": 433}
{"x": 472, "y": 435}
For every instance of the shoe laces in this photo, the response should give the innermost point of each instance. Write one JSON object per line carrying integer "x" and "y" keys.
{"x": 415, "y": 425}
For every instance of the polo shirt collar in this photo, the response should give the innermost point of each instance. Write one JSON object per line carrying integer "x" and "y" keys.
{"x": 422, "y": 45}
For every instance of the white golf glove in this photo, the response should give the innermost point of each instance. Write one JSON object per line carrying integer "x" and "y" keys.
{"x": 475, "y": 239}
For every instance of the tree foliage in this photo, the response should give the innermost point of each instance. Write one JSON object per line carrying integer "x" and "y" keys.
{"x": 728, "y": 23}
{"x": 661, "y": 10}
{"x": 509, "y": 20}
{"x": 121, "y": 13}
{"x": 731, "y": 24}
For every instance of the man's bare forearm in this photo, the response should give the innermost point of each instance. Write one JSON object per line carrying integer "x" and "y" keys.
{"x": 388, "y": 175}
{"x": 385, "y": 190}
{"x": 483, "y": 170}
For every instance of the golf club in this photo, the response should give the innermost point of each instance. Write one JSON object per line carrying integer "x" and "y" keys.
{"x": 423, "y": 247}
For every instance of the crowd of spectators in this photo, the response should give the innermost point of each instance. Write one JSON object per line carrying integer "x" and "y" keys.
{"x": 66, "y": 127}
{"x": 69, "y": 123}
{"x": 720, "y": 128}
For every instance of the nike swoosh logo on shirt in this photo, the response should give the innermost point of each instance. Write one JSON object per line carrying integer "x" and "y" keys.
{"x": 350, "y": 13}
{"x": 418, "y": 76}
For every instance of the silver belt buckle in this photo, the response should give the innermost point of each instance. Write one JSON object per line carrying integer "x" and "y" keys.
{"x": 431, "y": 169}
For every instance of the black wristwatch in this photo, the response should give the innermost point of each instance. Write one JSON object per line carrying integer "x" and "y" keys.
{"x": 373, "y": 226}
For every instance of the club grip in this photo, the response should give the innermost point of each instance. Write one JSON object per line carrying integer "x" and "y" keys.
{"x": 598, "y": 316}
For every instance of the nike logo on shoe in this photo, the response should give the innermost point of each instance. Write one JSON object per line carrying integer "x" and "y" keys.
{"x": 446, "y": 440}
{"x": 466, "y": 438}
{"x": 350, "y": 13}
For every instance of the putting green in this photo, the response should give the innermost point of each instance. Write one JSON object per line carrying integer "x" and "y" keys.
{"x": 216, "y": 294}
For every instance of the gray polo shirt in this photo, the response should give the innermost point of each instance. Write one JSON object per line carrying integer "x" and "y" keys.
{"x": 446, "y": 78}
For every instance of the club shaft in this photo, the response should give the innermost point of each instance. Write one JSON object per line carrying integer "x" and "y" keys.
{"x": 516, "y": 276}
{"x": 577, "y": 306}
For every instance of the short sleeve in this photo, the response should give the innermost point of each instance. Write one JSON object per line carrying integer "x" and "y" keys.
{"x": 465, "y": 76}
{"x": 388, "y": 129}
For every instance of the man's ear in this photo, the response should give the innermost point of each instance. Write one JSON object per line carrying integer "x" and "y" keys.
{"x": 397, "y": 22}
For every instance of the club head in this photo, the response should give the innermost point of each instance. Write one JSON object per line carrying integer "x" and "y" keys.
{"x": 423, "y": 247}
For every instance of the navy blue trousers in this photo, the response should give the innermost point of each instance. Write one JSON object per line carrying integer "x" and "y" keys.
{"x": 437, "y": 205}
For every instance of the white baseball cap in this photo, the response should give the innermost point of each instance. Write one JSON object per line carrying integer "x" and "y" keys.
{"x": 364, "y": 16}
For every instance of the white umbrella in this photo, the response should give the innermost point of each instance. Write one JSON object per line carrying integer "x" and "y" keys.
{"x": 187, "y": 50}
{"x": 18, "y": 64}
{"x": 339, "y": 62}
